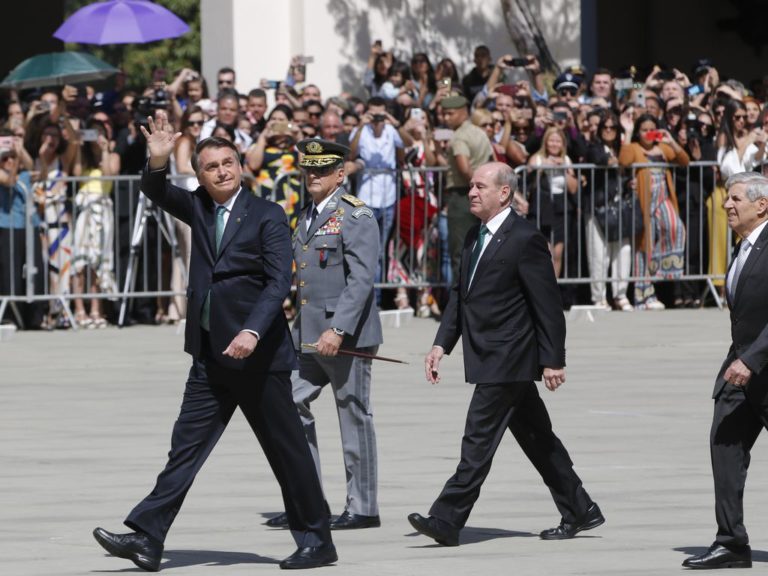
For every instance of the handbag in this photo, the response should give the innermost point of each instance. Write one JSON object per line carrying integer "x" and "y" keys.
{"x": 621, "y": 218}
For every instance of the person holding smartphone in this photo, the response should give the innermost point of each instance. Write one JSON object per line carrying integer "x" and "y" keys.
{"x": 660, "y": 247}
{"x": 93, "y": 261}
{"x": 15, "y": 187}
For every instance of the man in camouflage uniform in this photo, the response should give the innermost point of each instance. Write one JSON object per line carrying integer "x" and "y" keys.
{"x": 335, "y": 247}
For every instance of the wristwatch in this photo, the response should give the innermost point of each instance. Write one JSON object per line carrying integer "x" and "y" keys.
{"x": 338, "y": 331}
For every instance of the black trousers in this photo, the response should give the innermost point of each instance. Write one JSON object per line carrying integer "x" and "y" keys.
{"x": 736, "y": 424}
{"x": 517, "y": 406}
{"x": 212, "y": 393}
{"x": 12, "y": 279}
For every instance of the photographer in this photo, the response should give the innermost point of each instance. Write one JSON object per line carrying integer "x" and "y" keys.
{"x": 273, "y": 155}
{"x": 15, "y": 188}
{"x": 93, "y": 260}
{"x": 695, "y": 185}
{"x": 379, "y": 142}
{"x": 375, "y": 75}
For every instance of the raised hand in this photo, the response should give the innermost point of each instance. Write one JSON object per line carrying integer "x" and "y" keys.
{"x": 160, "y": 141}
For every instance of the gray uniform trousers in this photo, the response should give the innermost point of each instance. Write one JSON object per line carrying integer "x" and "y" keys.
{"x": 350, "y": 380}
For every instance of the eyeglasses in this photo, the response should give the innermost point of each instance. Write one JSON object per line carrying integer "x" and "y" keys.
{"x": 739, "y": 116}
{"x": 196, "y": 122}
{"x": 609, "y": 127}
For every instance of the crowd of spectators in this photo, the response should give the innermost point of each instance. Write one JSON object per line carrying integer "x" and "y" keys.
{"x": 640, "y": 130}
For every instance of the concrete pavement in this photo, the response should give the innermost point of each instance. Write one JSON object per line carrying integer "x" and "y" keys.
{"x": 85, "y": 422}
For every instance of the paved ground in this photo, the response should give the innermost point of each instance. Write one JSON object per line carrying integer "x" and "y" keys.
{"x": 85, "y": 421}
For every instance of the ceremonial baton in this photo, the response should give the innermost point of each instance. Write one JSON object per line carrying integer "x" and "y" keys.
{"x": 359, "y": 354}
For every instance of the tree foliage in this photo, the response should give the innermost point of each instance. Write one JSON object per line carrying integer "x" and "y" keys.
{"x": 138, "y": 60}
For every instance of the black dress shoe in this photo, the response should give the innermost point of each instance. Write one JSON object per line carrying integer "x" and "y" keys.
{"x": 718, "y": 556}
{"x": 279, "y": 521}
{"x": 592, "y": 519}
{"x": 310, "y": 557}
{"x": 140, "y": 548}
{"x": 348, "y": 521}
{"x": 439, "y": 530}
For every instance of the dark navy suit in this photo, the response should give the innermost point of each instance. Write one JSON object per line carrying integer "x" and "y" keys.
{"x": 248, "y": 280}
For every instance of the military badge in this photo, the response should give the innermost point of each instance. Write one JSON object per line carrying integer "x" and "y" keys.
{"x": 315, "y": 147}
{"x": 332, "y": 226}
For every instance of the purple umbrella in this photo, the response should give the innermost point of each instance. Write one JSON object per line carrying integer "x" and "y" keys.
{"x": 121, "y": 22}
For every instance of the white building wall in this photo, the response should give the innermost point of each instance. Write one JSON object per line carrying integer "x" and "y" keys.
{"x": 258, "y": 37}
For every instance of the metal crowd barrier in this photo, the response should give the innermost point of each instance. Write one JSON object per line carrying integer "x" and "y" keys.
{"x": 697, "y": 193}
{"x": 104, "y": 229}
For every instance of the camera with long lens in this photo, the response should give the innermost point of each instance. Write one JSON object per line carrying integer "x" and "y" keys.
{"x": 694, "y": 130}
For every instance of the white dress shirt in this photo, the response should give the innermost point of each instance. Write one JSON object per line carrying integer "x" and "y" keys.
{"x": 493, "y": 226}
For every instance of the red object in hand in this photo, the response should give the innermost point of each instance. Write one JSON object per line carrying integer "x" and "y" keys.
{"x": 654, "y": 135}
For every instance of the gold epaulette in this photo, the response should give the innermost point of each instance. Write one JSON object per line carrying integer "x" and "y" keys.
{"x": 355, "y": 201}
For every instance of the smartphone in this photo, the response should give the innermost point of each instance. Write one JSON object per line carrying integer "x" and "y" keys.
{"x": 640, "y": 100}
{"x": 89, "y": 135}
{"x": 623, "y": 83}
{"x": 442, "y": 134}
{"x": 6, "y": 141}
{"x": 281, "y": 127}
{"x": 517, "y": 62}
{"x": 694, "y": 90}
{"x": 272, "y": 84}
{"x": 665, "y": 75}
{"x": 306, "y": 59}
{"x": 445, "y": 82}
{"x": 654, "y": 135}
{"x": 377, "y": 43}
{"x": 558, "y": 115}
{"x": 417, "y": 114}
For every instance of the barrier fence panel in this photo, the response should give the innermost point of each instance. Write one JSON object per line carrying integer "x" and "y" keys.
{"x": 95, "y": 239}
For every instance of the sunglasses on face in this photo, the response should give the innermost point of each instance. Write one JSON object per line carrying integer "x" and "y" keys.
{"x": 609, "y": 127}
{"x": 739, "y": 116}
{"x": 567, "y": 91}
{"x": 320, "y": 171}
{"x": 196, "y": 122}
{"x": 314, "y": 114}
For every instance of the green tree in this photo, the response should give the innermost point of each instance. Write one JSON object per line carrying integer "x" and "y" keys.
{"x": 138, "y": 60}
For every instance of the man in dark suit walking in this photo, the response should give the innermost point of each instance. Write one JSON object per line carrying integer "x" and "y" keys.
{"x": 741, "y": 387}
{"x": 506, "y": 308}
{"x": 242, "y": 352}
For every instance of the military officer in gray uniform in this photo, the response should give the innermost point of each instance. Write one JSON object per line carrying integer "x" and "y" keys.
{"x": 335, "y": 247}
